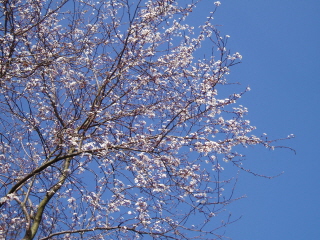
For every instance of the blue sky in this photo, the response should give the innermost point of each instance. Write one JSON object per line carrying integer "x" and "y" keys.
{"x": 279, "y": 41}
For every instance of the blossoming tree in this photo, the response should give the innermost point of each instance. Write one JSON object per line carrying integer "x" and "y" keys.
{"x": 110, "y": 127}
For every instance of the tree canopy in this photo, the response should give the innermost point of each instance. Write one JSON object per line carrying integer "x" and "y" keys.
{"x": 111, "y": 125}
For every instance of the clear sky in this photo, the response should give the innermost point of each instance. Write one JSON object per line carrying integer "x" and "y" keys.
{"x": 279, "y": 41}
